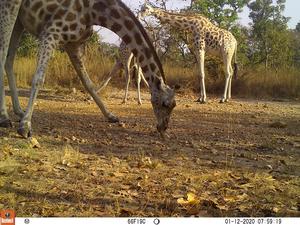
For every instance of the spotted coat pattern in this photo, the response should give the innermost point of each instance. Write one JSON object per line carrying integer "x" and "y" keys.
{"x": 68, "y": 24}
{"x": 206, "y": 37}
{"x": 127, "y": 61}
{"x": 8, "y": 15}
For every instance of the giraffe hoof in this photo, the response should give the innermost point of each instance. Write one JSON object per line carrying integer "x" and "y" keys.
{"x": 6, "y": 123}
{"x": 113, "y": 119}
{"x": 222, "y": 101}
{"x": 25, "y": 131}
{"x": 201, "y": 101}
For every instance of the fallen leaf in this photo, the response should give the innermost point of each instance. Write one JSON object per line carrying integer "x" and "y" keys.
{"x": 94, "y": 174}
{"x": 34, "y": 143}
{"x": 229, "y": 199}
{"x": 275, "y": 209}
{"x": 191, "y": 200}
{"x": 118, "y": 174}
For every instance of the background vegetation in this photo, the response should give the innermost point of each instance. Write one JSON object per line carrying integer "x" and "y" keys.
{"x": 268, "y": 57}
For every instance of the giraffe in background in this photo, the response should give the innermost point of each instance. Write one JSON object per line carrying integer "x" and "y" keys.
{"x": 127, "y": 61}
{"x": 68, "y": 24}
{"x": 206, "y": 37}
{"x": 8, "y": 10}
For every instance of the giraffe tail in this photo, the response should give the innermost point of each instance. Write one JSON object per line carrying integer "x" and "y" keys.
{"x": 235, "y": 65}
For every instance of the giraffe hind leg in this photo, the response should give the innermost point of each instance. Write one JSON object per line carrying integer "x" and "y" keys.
{"x": 75, "y": 57}
{"x": 229, "y": 85}
{"x": 228, "y": 73}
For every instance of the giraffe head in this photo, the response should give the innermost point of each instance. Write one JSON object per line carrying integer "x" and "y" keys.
{"x": 163, "y": 103}
{"x": 146, "y": 10}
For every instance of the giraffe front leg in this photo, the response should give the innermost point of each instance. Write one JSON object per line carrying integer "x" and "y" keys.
{"x": 200, "y": 60}
{"x": 127, "y": 77}
{"x": 8, "y": 11}
{"x": 138, "y": 80}
{"x": 75, "y": 57}
{"x": 17, "y": 32}
{"x": 46, "y": 48}
{"x": 4, "y": 118}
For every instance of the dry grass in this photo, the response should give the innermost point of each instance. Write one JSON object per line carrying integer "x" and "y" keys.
{"x": 60, "y": 72}
{"x": 261, "y": 83}
{"x": 256, "y": 83}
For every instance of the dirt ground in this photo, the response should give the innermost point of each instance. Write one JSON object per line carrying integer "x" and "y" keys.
{"x": 235, "y": 159}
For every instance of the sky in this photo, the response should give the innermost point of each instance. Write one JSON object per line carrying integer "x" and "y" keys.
{"x": 292, "y": 8}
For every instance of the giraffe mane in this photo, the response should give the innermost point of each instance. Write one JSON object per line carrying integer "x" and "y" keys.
{"x": 146, "y": 37}
{"x": 184, "y": 14}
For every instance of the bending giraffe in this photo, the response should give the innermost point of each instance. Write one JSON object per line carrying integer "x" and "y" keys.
{"x": 68, "y": 24}
{"x": 206, "y": 37}
{"x": 127, "y": 61}
{"x": 8, "y": 10}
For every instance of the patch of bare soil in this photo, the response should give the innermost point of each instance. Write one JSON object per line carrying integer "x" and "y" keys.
{"x": 236, "y": 159}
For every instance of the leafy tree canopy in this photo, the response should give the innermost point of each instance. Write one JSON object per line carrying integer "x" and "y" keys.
{"x": 223, "y": 12}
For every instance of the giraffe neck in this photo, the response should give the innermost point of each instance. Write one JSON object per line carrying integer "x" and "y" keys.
{"x": 181, "y": 21}
{"x": 175, "y": 20}
{"x": 123, "y": 22}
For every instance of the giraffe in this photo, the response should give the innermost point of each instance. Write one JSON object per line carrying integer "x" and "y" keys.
{"x": 8, "y": 10}
{"x": 206, "y": 37}
{"x": 127, "y": 61}
{"x": 68, "y": 24}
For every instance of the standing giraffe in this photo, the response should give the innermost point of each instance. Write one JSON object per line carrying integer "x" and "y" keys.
{"x": 127, "y": 61}
{"x": 8, "y": 10}
{"x": 68, "y": 24}
{"x": 206, "y": 37}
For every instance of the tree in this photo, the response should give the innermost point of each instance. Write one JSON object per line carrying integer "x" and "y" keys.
{"x": 270, "y": 38}
{"x": 298, "y": 27}
{"x": 223, "y": 12}
{"x": 28, "y": 45}
{"x": 296, "y": 45}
